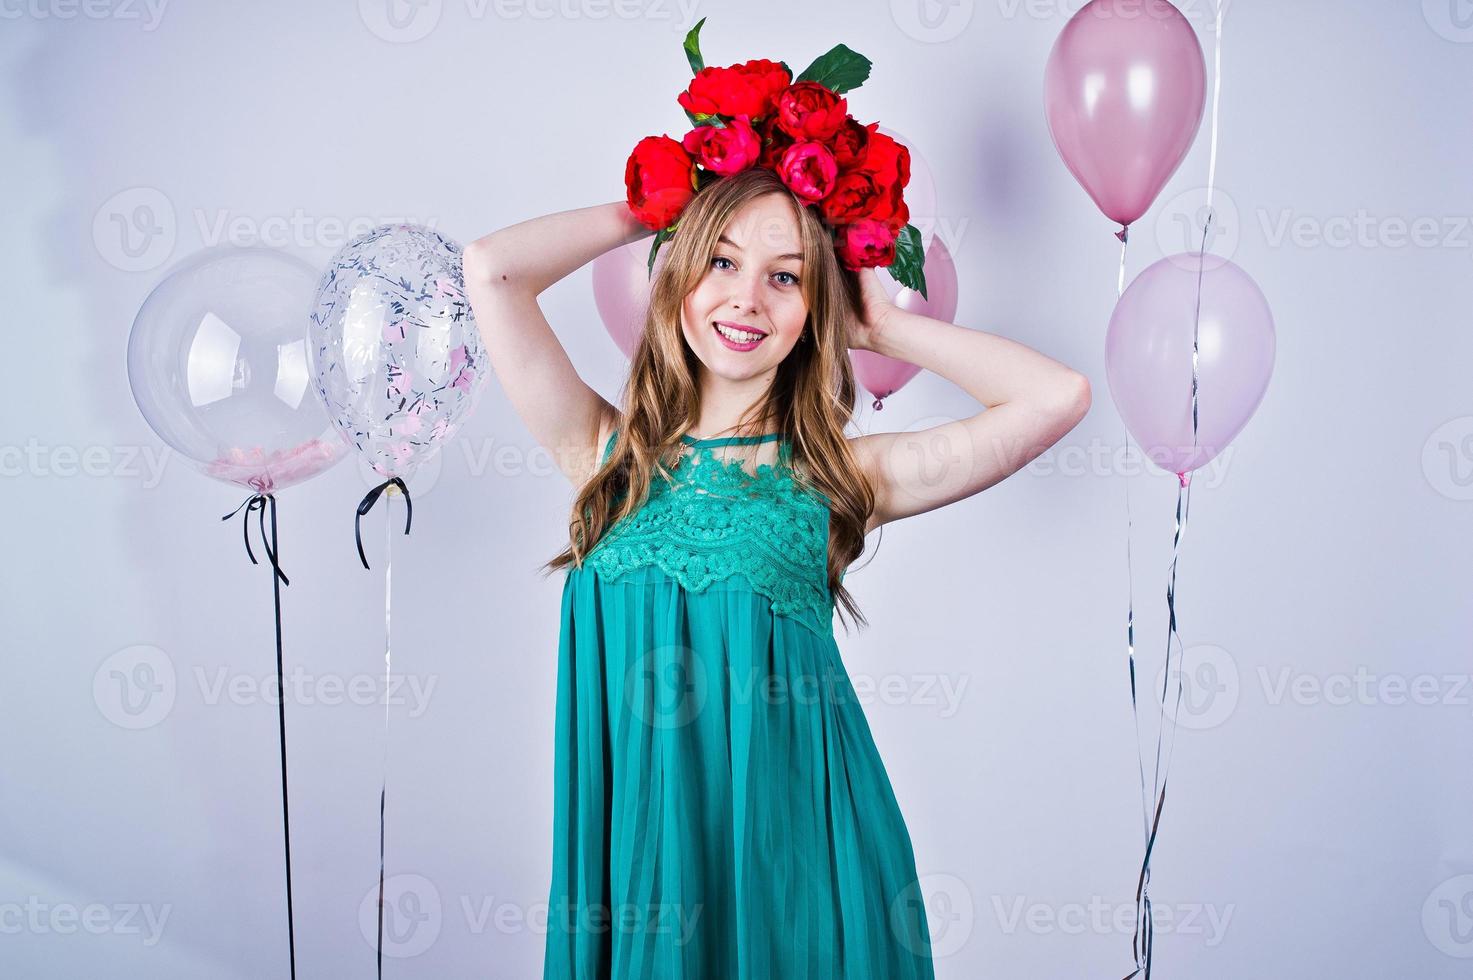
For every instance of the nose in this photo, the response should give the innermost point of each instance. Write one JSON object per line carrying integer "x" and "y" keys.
{"x": 744, "y": 292}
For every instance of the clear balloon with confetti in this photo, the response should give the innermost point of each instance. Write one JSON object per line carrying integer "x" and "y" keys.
{"x": 395, "y": 352}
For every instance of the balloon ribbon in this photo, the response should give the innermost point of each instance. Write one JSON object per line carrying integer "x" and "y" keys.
{"x": 259, "y": 502}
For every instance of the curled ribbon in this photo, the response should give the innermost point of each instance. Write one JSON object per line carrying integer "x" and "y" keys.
{"x": 366, "y": 505}
{"x": 257, "y": 502}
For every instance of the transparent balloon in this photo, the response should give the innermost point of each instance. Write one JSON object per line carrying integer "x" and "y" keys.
{"x": 395, "y": 353}
{"x": 217, "y": 360}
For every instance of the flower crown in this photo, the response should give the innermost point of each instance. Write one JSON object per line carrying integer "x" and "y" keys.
{"x": 756, "y": 115}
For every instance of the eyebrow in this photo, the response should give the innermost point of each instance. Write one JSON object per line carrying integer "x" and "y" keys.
{"x": 787, "y": 255}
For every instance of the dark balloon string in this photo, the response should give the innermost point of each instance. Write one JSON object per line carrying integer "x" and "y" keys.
{"x": 364, "y": 507}
{"x": 260, "y": 502}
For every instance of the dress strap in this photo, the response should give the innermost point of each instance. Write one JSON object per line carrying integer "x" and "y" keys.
{"x": 731, "y": 440}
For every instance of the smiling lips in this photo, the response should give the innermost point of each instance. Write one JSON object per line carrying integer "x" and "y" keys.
{"x": 737, "y": 338}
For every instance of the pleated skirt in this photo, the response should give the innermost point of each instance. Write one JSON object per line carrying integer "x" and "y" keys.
{"x": 720, "y": 808}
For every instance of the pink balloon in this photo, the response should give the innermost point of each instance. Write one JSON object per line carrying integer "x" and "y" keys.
{"x": 882, "y": 376}
{"x": 1148, "y": 357}
{"x": 1124, "y": 92}
{"x": 621, "y": 290}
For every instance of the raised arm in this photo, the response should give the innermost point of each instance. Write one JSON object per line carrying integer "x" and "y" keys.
{"x": 505, "y": 272}
{"x": 1032, "y": 402}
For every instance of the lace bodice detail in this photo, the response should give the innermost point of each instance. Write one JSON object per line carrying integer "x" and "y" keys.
{"x": 714, "y": 519}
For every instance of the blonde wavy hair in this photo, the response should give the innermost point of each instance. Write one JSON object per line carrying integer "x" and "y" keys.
{"x": 810, "y": 400}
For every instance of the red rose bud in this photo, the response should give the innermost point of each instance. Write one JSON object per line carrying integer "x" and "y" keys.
{"x": 850, "y": 144}
{"x": 725, "y": 151}
{"x": 865, "y": 244}
{"x": 748, "y": 89}
{"x": 809, "y": 170}
{"x": 660, "y": 178}
{"x": 810, "y": 111}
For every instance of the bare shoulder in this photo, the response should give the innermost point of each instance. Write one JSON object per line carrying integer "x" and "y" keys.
{"x": 916, "y": 470}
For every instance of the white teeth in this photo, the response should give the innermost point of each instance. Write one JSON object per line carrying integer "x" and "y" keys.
{"x": 738, "y": 336}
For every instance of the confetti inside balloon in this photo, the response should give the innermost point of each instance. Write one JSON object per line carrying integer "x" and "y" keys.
{"x": 395, "y": 352}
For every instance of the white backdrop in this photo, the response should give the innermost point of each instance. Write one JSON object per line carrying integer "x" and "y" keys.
{"x": 1318, "y": 816}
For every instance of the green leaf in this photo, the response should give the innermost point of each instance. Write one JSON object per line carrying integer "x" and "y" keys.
{"x": 839, "y": 69}
{"x": 786, "y": 68}
{"x": 696, "y": 119}
{"x": 908, "y": 269}
{"x": 661, "y": 236}
{"x": 693, "y": 48}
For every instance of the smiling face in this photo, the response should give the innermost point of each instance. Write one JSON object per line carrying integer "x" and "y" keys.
{"x": 748, "y": 310}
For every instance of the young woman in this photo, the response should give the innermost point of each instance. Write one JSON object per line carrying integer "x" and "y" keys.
{"x": 721, "y": 810}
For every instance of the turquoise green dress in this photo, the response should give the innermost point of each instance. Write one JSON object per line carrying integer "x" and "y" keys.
{"x": 721, "y": 811}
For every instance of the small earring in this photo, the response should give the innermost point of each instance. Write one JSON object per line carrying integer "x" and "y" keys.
{"x": 803, "y": 336}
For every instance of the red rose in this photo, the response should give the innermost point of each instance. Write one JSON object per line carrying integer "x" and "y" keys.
{"x": 727, "y": 150}
{"x": 855, "y": 196}
{"x": 887, "y": 165}
{"x": 809, "y": 170}
{"x": 888, "y": 160}
{"x": 748, "y": 89}
{"x": 660, "y": 178}
{"x": 850, "y": 143}
{"x": 865, "y": 244}
{"x": 810, "y": 111}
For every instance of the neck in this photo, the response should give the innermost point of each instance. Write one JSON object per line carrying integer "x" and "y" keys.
{"x": 727, "y": 404}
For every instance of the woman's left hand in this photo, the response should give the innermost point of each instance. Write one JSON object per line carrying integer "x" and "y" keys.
{"x": 875, "y": 305}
